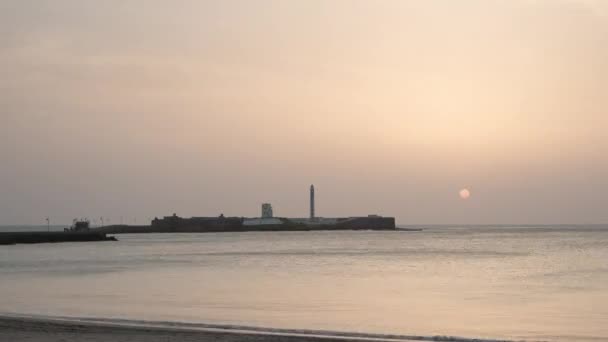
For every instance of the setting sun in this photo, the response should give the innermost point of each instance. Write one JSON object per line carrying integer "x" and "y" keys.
{"x": 465, "y": 194}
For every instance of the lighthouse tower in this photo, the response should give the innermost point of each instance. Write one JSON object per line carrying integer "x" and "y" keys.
{"x": 312, "y": 202}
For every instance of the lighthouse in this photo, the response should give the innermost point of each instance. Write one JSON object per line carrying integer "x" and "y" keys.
{"x": 312, "y": 202}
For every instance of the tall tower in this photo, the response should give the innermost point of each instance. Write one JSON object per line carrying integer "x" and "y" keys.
{"x": 312, "y": 202}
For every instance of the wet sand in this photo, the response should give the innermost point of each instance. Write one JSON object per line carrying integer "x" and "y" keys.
{"x": 48, "y": 330}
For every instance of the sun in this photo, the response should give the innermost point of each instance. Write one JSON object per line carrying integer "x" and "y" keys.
{"x": 465, "y": 194}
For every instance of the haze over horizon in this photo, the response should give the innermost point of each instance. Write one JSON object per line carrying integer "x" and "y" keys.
{"x": 146, "y": 108}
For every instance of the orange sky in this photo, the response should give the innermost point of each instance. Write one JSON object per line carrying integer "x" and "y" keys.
{"x": 145, "y": 108}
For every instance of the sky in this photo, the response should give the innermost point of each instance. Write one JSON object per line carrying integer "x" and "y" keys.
{"x": 132, "y": 109}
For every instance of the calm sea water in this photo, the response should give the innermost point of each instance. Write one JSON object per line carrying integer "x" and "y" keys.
{"x": 523, "y": 283}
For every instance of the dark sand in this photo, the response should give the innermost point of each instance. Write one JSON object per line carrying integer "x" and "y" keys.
{"x": 48, "y": 330}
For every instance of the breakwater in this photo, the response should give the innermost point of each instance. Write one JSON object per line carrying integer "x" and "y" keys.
{"x": 12, "y": 238}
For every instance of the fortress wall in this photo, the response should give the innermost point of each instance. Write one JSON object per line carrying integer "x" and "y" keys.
{"x": 235, "y": 224}
{"x": 379, "y": 223}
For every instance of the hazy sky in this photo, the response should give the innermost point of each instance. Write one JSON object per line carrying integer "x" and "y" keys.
{"x": 145, "y": 108}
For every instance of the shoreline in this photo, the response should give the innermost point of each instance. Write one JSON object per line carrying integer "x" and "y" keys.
{"x": 55, "y": 329}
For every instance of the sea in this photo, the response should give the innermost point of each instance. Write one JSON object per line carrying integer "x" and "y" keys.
{"x": 520, "y": 283}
